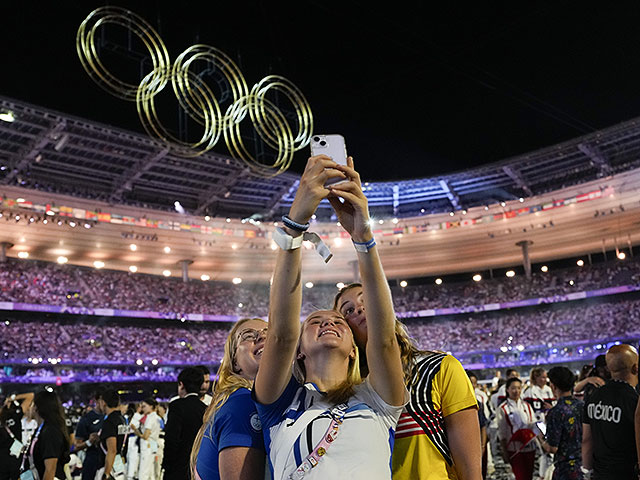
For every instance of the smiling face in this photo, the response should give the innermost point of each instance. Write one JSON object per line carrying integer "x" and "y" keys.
{"x": 249, "y": 341}
{"x": 351, "y": 306}
{"x": 514, "y": 390}
{"x": 541, "y": 380}
{"x": 326, "y": 329}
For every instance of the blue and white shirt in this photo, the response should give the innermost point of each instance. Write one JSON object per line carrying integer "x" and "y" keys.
{"x": 295, "y": 424}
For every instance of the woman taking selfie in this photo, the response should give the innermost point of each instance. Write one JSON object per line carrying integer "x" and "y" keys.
{"x": 323, "y": 422}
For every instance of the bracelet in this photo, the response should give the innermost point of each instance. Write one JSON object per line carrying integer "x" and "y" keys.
{"x": 364, "y": 247}
{"x": 300, "y": 227}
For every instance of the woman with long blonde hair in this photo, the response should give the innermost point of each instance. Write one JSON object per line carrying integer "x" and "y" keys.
{"x": 229, "y": 444}
{"x": 322, "y": 420}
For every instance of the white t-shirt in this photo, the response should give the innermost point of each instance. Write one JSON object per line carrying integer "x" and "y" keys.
{"x": 152, "y": 423}
{"x": 294, "y": 425}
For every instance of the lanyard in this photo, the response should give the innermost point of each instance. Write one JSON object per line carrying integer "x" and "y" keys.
{"x": 337, "y": 416}
{"x": 34, "y": 440}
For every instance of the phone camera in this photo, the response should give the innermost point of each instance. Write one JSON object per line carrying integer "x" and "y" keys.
{"x": 316, "y": 139}
{"x": 323, "y": 143}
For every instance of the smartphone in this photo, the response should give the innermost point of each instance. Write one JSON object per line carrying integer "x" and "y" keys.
{"x": 332, "y": 146}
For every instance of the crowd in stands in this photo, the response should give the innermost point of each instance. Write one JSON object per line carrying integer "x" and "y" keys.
{"x": 65, "y": 285}
{"x": 86, "y": 342}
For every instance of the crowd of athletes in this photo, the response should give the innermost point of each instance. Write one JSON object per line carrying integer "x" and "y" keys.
{"x": 154, "y": 437}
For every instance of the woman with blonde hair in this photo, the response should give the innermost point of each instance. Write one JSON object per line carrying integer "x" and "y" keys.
{"x": 229, "y": 444}
{"x": 322, "y": 421}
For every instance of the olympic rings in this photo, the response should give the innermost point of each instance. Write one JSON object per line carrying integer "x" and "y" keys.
{"x": 196, "y": 98}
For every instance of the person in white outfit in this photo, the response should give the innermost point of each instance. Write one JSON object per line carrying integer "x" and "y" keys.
{"x": 516, "y": 431}
{"x": 133, "y": 451}
{"x": 148, "y": 434}
{"x": 540, "y": 396}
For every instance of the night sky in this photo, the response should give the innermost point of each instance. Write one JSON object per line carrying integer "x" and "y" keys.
{"x": 417, "y": 89}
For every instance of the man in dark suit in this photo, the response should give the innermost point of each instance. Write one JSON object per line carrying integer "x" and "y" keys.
{"x": 183, "y": 422}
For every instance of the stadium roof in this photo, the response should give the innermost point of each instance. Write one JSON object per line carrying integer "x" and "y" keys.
{"x": 55, "y": 152}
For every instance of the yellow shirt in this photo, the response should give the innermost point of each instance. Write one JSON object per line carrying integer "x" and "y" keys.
{"x": 439, "y": 388}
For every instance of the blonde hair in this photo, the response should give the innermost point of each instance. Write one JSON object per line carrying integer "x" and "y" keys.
{"x": 408, "y": 350}
{"x": 345, "y": 390}
{"x": 228, "y": 382}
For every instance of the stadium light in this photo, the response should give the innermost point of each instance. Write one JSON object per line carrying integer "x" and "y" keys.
{"x": 62, "y": 260}
{"x": 207, "y": 218}
{"x": 240, "y": 305}
{"x": 23, "y": 254}
{"x": 228, "y": 220}
{"x": 337, "y": 242}
{"x": 503, "y": 204}
{"x": 98, "y": 264}
{"x": 205, "y": 277}
{"x": 438, "y": 281}
{"x": 154, "y": 361}
{"x": 139, "y": 361}
{"x": 380, "y": 222}
{"x": 274, "y": 246}
{"x": 395, "y": 221}
{"x": 521, "y": 200}
{"x": 572, "y": 283}
{"x": 403, "y": 283}
{"x": 477, "y": 277}
{"x": 167, "y": 249}
{"x": 510, "y": 274}
{"x": 544, "y": 269}
{"x": 580, "y": 263}
{"x": 309, "y": 284}
{"x": 166, "y": 273}
{"x": 340, "y": 285}
{"x": 7, "y": 116}
{"x": 236, "y": 281}
{"x": 133, "y": 247}
{"x": 622, "y": 255}
{"x": 133, "y": 268}
{"x": 451, "y": 214}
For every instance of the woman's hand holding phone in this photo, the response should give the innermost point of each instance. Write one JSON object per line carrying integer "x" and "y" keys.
{"x": 311, "y": 190}
{"x": 353, "y": 213}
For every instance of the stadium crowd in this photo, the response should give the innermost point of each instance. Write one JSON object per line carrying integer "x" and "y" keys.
{"x": 86, "y": 342}
{"x": 36, "y": 282}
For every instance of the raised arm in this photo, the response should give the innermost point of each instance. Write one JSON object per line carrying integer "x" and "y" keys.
{"x": 286, "y": 291}
{"x": 383, "y": 353}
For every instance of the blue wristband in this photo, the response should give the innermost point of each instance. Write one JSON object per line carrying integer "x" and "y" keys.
{"x": 364, "y": 246}
{"x": 300, "y": 227}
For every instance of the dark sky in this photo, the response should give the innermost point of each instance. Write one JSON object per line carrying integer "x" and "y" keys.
{"x": 417, "y": 89}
